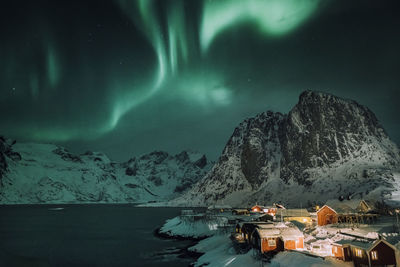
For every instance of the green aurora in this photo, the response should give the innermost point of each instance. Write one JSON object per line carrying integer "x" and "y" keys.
{"x": 183, "y": 71}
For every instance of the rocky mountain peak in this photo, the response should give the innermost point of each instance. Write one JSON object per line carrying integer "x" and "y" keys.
{"x": 322, "y": 148}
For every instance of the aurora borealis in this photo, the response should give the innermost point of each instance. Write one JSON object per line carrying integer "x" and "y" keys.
{"x": 127, "y": 77}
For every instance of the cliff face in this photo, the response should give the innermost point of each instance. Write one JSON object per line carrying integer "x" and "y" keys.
{"x": 323, "y": 129}
{"x": 324, "y": 147}
{"x": 6, "y": 152}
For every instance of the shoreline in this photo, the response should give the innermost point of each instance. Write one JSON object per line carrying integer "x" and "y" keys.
{"x": 184, "y": 252}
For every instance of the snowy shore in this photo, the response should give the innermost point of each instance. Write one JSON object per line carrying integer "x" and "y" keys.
{"x": 214, "y": 247}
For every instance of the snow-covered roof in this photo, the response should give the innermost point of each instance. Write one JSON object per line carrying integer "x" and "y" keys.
{"x": 267, "y": 226}
{"x": 355, "y": 243}
{"x": 367, "y": 245}
{"x": 285, "y": 231}
{"x": 268, "y": 232}
{"x": 346, "y": 206}
{"x": 290, "y": 233}
{"x": 292, "y": 213}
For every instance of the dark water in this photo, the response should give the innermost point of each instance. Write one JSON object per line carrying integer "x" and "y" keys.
{"x": 86, "y": 235}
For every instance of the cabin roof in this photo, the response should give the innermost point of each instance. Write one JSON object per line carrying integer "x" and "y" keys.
{"x": 359, "y": 244}
{"x": 292, "y": 213}
{"x": 290, "y": 233}
{"x": 285, "y": 231}
{"x": 268, "y": 232}
{"x": 345, "y": 206}
{"x": 366, "y": 245}
{"x": 323, "y": 207}
{"x": 387, "y": 242}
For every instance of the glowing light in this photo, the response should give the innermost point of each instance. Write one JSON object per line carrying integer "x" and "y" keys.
{"x": 53, "y": 67}
{"x": 274, "y": 17}
{"x": 206, "y": 89}
{"x": 168, "y": 62}
{"x": 34, "y": 85}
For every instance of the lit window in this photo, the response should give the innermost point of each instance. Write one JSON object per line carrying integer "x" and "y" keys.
{"x": 374, "y": 255}
{"x": 271, "y": 242}
{"x": 358, "y": 253}
{"x": 334, "y": 249}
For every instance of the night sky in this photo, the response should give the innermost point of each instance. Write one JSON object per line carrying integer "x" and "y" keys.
{"x": 129, "y": 77}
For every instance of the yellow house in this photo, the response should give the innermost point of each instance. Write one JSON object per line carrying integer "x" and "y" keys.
{"x": 300, "y": 215}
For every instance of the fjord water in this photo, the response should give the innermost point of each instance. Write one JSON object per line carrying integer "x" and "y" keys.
{"x": 86, "y": 235}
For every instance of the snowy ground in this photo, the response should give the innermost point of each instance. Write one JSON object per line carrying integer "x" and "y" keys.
{"x": 218, "y": 250}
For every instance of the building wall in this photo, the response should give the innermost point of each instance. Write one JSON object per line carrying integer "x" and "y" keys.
{"x": 265, "y": 246}
{"x": 326, "y": 216}
{"x": 359, "y": 260}
{"x": 290, "y": 244}
{"x": 337, "y": 251}
{"x": 300, "y": 243}
{"x": 386, "y": 255}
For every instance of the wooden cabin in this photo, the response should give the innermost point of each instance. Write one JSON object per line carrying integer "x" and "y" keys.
{"x": 257, "y": 208}
{"x": 326, "y": 215}
{"x": 350, "y": 206}
{"x": 267, "y": 239}
{"x": 341, "y": 250}
{"x": 300, "y": 215}
{"x": 276, "y": 237}
{"x": 292, "y": 238}
{"x": 382, "y": 253}
{"x": 366, "y": 252}
{"x": 270, "y": 210}
{"x": 359, "y": 253}
{"x": 346, "y": 211}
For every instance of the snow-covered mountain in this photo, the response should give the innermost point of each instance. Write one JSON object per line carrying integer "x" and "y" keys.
{"x": 324, "y": 148}
{"x": 44, "y": 173}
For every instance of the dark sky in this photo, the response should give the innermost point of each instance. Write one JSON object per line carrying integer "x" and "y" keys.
{"x": 129, "y": 77}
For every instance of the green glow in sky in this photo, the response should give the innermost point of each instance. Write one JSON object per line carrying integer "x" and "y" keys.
{"x": 175, "y": 45}
{"x": 174, "y": 50}
{"x": 273, "y": 17}
{"x": 170, "y": 50}
{"x": 131, "y": 76}
{"x": 53, "y": 67}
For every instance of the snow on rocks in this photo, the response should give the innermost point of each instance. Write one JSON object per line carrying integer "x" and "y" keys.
{"x": 47, "y": 173}
{"x": 323, "y": 148}
{"x": 198, "y": 226}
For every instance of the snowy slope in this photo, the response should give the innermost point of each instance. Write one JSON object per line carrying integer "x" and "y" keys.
{"x": 43, "y": 173}
{"x": 324, "y": 148}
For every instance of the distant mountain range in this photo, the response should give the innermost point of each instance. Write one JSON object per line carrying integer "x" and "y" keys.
{"x": 43, "y": 173}
{"x": 324, "y": 148}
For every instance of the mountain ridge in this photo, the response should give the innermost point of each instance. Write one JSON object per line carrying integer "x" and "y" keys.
{"x": 45, "y": 173}
{"x": 326, "y": 146}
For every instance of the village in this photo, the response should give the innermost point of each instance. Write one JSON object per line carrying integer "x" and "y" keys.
{"x": 342, "y": 232}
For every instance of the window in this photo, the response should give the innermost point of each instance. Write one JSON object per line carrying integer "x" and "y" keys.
{"x": 271, "y": 242}
{"x": 358, "y": 253}
{"x": 374, "y": 255}
{"x": 334, "y": 249}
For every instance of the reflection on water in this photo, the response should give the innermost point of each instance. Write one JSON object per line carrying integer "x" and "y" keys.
{"x": 87, "y": 235}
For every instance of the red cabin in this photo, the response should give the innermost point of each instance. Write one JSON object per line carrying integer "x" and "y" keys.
{"x": 256, "y": 208}
{"x": 326, "y": 215}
